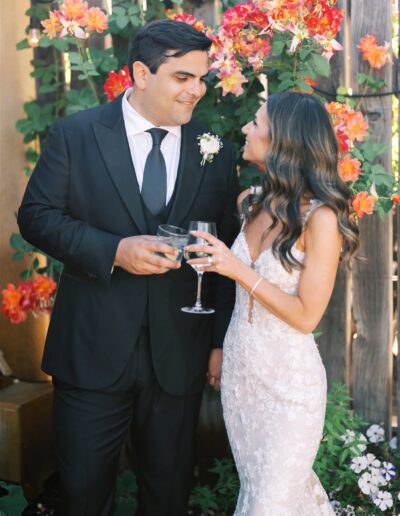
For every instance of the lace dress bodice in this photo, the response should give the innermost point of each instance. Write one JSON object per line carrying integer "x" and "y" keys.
{"x": 273, "y": 394}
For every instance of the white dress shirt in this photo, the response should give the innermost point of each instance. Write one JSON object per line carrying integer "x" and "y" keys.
{"x": 140, "y": 144}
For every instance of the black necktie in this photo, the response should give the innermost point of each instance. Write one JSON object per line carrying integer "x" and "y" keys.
{"x": 154, "y": 186}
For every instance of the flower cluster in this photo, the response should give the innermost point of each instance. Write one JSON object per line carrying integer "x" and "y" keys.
{"x": 247, "y": 28}
{"x": 36, "y": 296}
{"x": 350, "y": 126}
{"x": 316, "y": 19}
{"x": 117, "y": 83}
{"x": 74, "y": 18}
{"x": 210, "y": 145}
{"x": 190, "y": 20}
{"x": 241, "y": 39}
{"x": 376, "y": 55}
{"x": 374, "y": 476}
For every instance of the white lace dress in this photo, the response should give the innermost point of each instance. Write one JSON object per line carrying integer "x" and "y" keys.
{"x": 273, "y": 396}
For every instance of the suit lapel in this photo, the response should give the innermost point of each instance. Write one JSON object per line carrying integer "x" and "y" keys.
{"x": 113, "y": 145}
{"x": 190, "y": 175}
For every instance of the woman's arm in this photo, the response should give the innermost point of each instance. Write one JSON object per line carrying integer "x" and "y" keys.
{"x": 304, "y": 310}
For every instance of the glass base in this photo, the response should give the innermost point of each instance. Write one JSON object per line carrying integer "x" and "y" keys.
{"x": 197, "y": 310}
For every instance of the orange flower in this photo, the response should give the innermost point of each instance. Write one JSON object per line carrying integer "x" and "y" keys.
{"x": 95, "y": 20}
{"x": 74, "y": 9}
{"x": 11, "y": 304}
{"x": 396, "y": 198}
{"x": 117, "y": 83}
{"x": 362, "y": 203}
{"x": 190, "y": 20}
{"x": 376, "y": 55}
{"x": 52, "y": 25}
{"x": 356, "y": 125}
{"x": 349, "y": 168}
{"x": 44, "y": 286}
{"x": 366, "y": 42}
{"x": 336, "y": 108}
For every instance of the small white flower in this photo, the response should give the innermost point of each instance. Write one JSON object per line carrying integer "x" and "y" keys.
{"x": 350, "y": 436}
{"x": 377, "y": 476}
{"x": 376, "y": 434}
{"x": 210, "y": 145}
{"x": 358, "y": 464}
{"x": 393, "y": 443}
{"x": 349, "y": 511}
{"x": 383, "y": 500}
{"x": 388, "y": 470}
{"x": 336, "y": 506}
{"x": 367, "y": 483}
{"x": 372, "y": 461}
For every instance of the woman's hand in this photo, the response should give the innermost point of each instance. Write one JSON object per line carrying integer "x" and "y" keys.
{"x": 220, "y": 259}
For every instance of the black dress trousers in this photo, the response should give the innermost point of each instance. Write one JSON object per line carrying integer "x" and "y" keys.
{"x": 90, "y": 428}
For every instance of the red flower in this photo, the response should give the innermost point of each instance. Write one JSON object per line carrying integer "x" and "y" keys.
{"x": 396, "y": 198}
{"x": 36, "y": 295}
{"x": 190, "y": 20}
{"x": 117, "y": 83}
{"x": 11, "y": 304}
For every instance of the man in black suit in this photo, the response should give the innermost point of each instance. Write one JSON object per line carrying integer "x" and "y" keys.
{"x": 121, "y": 352}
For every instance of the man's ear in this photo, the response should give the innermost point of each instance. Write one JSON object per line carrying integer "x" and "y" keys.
{"x": 140, "y": 74}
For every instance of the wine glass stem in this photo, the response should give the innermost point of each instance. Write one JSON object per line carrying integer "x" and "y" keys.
{"x": 199, "y": 280}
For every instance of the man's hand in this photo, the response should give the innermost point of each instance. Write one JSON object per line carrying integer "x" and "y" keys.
{"x": 214, "y": 368}
{"x": 136, "y": 255}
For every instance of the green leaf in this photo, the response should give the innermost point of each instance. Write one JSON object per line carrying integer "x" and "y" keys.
{"x": 286, "y": 85}
{"x": 361, "y": 78}
{"x": 61, "y": 44}
{"x": 277, "y": 47}
{"x": 45, "y": 42}
{"x": 122, "y": 21}
{"x": 120, "y": 11}
{"x": 22, "y": 45}
{"x": 16, "y": 241}
{"x": 74, "y": 58}
{"x": 48, "y": 88}
{"x": 321, "y": 65}
{"x": 15, "y": 502}
{"x": 19, "y": 255}
{"x": 80, "y": 100}
{"x": 341, "y": 90}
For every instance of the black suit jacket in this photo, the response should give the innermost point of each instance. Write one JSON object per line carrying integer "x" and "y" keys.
{"x": 81, "y": 199}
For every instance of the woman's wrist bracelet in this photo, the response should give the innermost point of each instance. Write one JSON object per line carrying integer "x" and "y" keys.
{"x": 253, "y": 288}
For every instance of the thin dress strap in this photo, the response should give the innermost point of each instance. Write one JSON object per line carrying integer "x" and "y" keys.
{"x": 314, "y": 204}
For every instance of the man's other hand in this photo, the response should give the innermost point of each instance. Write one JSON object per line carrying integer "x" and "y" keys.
{"x": 137, "y": 255}
{"x": 214, "y": 368}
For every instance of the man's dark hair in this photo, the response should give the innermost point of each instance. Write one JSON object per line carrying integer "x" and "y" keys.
{"x": 152, "y": 44}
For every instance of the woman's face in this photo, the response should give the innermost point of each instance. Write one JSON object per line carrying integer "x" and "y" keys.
{"x": 257, "y": 140}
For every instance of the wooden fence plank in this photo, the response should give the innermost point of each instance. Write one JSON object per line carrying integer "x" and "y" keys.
{"x": 372, "y": 282}
{"x": 334, "y": 342}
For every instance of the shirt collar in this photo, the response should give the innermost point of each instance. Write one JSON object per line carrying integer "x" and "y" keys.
{"x": 137, "y": 124}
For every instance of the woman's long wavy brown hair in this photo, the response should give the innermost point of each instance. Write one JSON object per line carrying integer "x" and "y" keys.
{"x": 302, "y": 160}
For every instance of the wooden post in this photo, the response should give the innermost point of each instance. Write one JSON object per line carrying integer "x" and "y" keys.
{"x": 372, "y": 279}
{"x": 22, "y": 344}
{"x": 334, "y": 342}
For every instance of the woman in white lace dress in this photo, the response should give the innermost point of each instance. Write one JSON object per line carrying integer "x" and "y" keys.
{"x": 284, "y": 262}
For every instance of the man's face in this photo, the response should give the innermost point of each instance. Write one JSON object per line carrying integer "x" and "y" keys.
{"x": 170, "y": 95}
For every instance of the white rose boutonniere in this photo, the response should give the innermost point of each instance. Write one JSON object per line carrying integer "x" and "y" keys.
{"x": 210, "y": 145}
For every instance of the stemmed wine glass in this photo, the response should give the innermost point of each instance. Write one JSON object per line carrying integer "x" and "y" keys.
{"x": 209, "y": 227}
